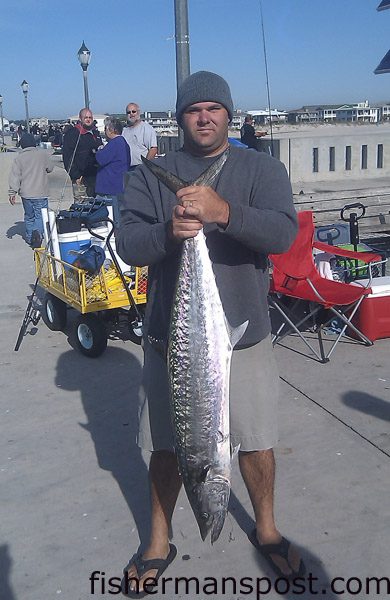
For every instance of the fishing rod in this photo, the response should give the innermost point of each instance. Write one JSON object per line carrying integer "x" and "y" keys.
{"x": 267, "y": 77}
{"x": 32, "y": 314}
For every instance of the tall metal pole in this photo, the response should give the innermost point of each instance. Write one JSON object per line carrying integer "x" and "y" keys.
{"x": 27, "y": 117}
{"x": 86, "y": 95}
{"x": 182, "y": 46}
{"x": 2, "y": 118}
{"x": 24, "y": 86}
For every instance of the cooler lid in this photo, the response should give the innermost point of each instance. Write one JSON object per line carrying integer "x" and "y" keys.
{"x": 379, "y": 285}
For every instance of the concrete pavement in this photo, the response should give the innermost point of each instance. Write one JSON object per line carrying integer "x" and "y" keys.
{"x": 73, "y": 483}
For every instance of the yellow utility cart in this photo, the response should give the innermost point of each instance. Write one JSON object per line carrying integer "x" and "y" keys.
{"x": 99, "y": 298}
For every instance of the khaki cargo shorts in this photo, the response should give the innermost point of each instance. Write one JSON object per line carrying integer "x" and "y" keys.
{"x": 254, "y": 391}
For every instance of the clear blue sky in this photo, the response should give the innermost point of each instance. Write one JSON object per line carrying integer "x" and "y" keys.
{"x": 319, "y": 51}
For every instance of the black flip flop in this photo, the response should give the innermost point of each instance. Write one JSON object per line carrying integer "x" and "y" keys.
{"x": 281, "y": 549}
{"x": 143, "y": 566}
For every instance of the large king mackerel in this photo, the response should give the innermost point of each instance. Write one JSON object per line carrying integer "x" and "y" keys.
{"x": 200, "y": 347}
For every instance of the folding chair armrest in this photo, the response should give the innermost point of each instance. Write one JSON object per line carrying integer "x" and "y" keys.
{"x": 367, "y": 257}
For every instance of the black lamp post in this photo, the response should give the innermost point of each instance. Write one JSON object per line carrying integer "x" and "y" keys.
{"x": 24, "y": 85}
{"x": 84, "y": 57}
{"x": 1, "y": 117}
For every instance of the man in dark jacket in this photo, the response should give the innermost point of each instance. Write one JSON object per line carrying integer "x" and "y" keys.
{"x": 78, "y": 153}
{"x": 248, "y": 133}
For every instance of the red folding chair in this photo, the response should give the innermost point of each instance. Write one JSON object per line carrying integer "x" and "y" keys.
{"x": 296, "y": 277}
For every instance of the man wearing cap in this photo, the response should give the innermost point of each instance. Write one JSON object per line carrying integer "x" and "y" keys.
{"x": 28, "y": 178}
{"x": 246, "y": 215}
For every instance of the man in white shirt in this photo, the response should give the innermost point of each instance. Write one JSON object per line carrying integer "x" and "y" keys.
{"x": 140, "y": 136}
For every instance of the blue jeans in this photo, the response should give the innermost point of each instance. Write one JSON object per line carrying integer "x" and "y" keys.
{"x": 32, "y": 215}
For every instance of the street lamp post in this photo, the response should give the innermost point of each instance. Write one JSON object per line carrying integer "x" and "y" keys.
{"x": 24, "y": 85}
{"x": 84, "y": 57}
{"x": 2, "y": 119}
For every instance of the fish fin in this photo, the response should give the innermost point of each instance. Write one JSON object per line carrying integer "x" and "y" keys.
{"x": 236, "y": 333}
{"x": 234, "y": 450}
{"x": 170, "y": 180}
{"x": 174, "y": 183}
{"x": 159, "y": 346}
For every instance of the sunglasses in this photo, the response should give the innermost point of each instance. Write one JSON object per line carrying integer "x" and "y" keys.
{"x": 131, "y": 112}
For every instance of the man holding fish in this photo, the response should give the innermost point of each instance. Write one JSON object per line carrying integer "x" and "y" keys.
{"x": 204, "y": 219}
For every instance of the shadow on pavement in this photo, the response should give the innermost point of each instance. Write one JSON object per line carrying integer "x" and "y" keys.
{"x": 16, "y": 229}
{"x": 5, "y": 571}
{"x": 316, "y": 580}
{"x": 368, "y": 404}
{"x": 109, "y": 389}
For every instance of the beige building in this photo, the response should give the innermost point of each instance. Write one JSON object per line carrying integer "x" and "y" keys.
{"x": 333, "y": 152}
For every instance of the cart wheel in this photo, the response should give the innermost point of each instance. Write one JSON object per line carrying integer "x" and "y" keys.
{"x": 90, "y": 335}
{"x": 54, "y": 313}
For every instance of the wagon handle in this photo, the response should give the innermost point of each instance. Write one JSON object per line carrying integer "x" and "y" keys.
{"x": 358, "y": 205}
{"x": 353, "y": 219}
{"x": 137, "y": 323}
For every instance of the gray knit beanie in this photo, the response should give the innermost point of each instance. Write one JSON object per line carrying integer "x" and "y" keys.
{"x": 203, "y": 86}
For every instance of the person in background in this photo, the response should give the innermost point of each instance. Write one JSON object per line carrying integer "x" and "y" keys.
{"x": 113, "y": 162}
{"x": 20, "y": 131}
{"x": 28, "y": 178}
{"x": 57, "y": 137}
{"x": 78, "y": 153}
{"x": 68, "y": 125}
{"x": 248, "y": 133}
{"x": 140, "y": 136}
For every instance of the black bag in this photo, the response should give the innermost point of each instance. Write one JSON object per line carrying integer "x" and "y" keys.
{"x": 89, "y": 212}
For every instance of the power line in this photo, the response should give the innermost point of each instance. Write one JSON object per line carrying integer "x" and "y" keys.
{"x": 267, "y": 77}
{"x": 336, "y": 417}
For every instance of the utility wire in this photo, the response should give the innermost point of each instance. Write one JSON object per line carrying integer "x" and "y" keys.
{"x": 336, "y": 417}
{"x": 267, "y": 77}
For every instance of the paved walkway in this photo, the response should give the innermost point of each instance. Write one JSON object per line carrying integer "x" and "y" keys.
{"x": 73, "y": 483}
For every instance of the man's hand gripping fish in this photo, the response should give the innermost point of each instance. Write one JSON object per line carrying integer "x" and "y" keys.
{"x": 200, "y": 348}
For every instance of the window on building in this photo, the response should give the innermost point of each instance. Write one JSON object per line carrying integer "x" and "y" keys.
{"x": 332, "y": 157}
{"x": 315, "y": 160}
{"x": 364, "y": 156}
{"x": 379, "y": 157}
{"x": 348, "y": 158}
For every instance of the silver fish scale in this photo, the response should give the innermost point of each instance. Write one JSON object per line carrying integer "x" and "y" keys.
{"x": 199, "y": 358}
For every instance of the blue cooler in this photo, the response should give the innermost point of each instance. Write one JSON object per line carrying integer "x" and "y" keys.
{"x": 68, "y": 250}
{"x": 75, "y": 241}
